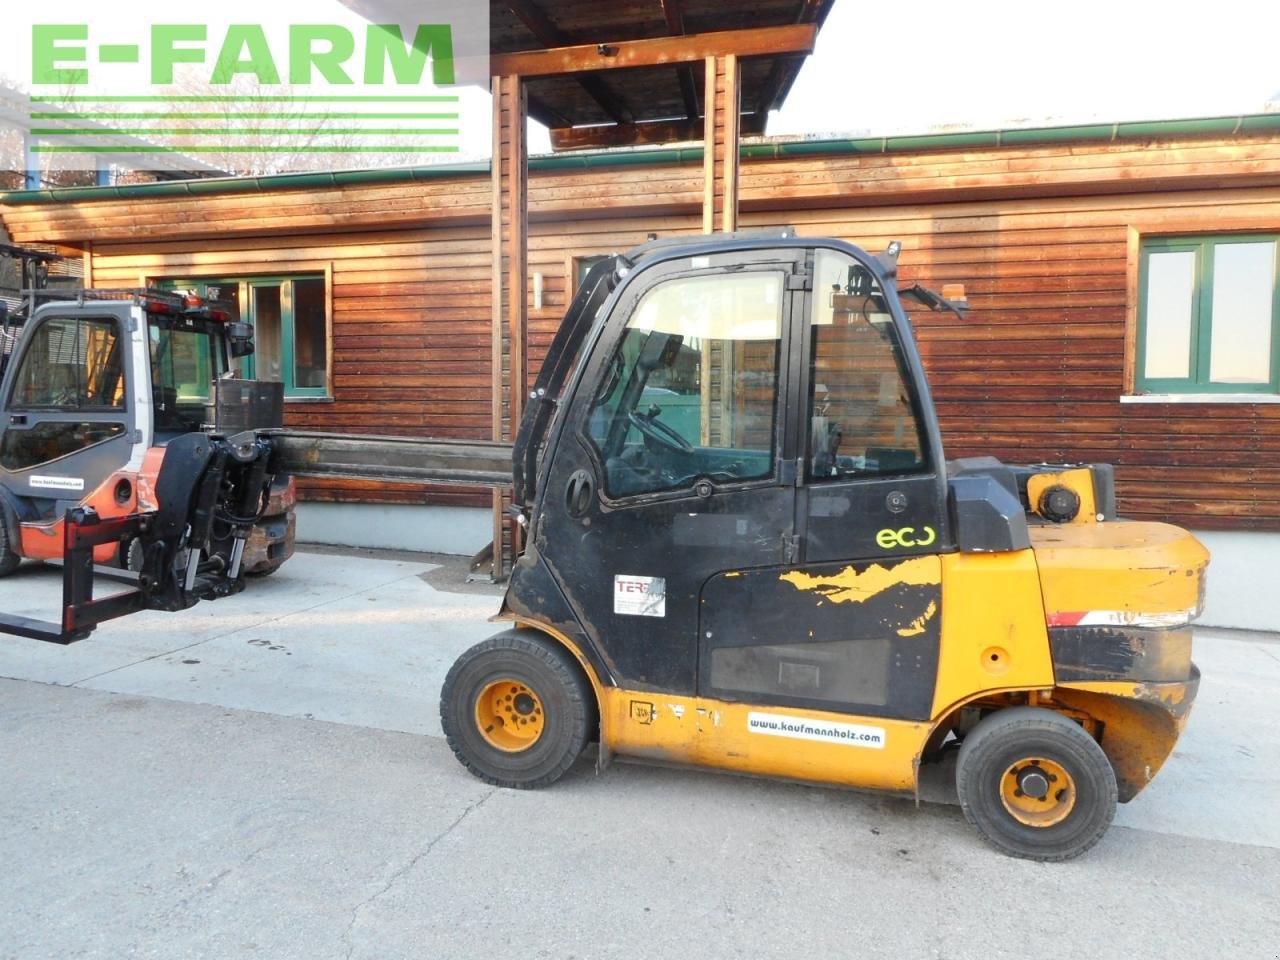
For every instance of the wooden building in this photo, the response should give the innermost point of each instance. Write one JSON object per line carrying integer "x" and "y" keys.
{"x": 1085, "y": 252}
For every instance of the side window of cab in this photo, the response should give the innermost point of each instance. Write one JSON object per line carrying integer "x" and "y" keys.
{"x": 70, "y": 389}
{"x": 71, "y": 363}
{"x": 862, "y": 411}
{"x": 691, "y": 391}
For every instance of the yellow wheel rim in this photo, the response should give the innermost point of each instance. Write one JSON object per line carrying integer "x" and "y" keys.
{"x": 509, "y": 716}
{"x": 1038, "y": 792}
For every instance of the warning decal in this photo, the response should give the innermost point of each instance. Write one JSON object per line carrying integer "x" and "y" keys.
{"x": 639, "y": 596}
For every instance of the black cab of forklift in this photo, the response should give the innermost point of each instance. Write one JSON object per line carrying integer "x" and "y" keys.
{"x": 757, "y": 391}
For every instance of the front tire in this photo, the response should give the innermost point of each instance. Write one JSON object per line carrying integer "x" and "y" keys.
{"x": 516, "y": 710}
{"x": 1035, "y": 784}
{"x": 9, "y": 561}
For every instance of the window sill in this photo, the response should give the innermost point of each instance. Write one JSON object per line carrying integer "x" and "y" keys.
{"x": 309, "y": 400}
{"x": 1201, "y": 398}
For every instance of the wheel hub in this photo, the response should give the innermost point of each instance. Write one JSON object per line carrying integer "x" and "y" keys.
{"x": 509, "y": 715}
{"x": 1038, "y": 792}
{"x": 1034, "y": 782}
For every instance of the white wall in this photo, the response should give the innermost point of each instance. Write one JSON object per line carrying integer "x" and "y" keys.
{"x": 464, "y": 531}
{"x": 1244, "y": 580}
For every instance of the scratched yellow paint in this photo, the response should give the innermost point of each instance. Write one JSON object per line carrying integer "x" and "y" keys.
{"x": 916, "y": 626}
{"x": 850, "y": 586}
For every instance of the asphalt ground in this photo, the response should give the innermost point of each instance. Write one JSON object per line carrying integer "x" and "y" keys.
{"x": 265, "y": 777}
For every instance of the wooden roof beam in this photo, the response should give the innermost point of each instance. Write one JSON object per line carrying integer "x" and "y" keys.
{"x": 688, "y": 91}
{"x": 646, "y": 132}
{"x": 549, "y": 35}
{"x": 591, "y": 57}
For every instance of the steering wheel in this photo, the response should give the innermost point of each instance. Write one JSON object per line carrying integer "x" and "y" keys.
{"x": 660, "y": 433}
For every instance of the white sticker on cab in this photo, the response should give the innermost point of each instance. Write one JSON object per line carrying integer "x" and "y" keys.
{"x": 639, "y": 596}
{"x": 57, "y": 483}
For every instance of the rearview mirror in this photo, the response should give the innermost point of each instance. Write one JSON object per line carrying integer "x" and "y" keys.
{"x": 240, "y": 337}
{"x": 659, "y": 350}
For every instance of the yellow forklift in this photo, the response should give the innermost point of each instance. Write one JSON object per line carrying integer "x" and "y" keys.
{"x": 747, "y": 550}
{"x": 744, "y": 548}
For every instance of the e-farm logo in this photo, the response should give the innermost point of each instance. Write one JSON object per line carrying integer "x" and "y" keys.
{"x": 287, "y": 90}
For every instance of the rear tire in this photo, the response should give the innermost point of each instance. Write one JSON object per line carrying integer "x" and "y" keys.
{"x": 1035, "y": 784}
{"x": 516, "y": 710}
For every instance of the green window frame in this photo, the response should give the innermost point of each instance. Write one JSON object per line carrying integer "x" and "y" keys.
{"x": 1204, "y": 250}
{"x": 248, "y": 300}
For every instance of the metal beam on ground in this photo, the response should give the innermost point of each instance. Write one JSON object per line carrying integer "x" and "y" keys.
{"x": 342, "y": 456}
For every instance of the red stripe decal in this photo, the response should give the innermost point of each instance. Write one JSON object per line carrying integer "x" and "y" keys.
{"x": 1066, "y": 619}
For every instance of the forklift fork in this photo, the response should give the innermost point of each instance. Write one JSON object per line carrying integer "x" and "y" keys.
{"x": 82, "y": 532}
{"x": 211, "y": 491}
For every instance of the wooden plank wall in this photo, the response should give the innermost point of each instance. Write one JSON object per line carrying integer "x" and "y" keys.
{"x": 1043, "y": 238}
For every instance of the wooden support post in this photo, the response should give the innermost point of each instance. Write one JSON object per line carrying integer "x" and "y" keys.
{"x": 721, "y": 135}
{"x": 510, "y": 280}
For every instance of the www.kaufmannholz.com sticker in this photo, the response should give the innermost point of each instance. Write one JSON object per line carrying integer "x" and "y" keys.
{"x": 824, "y": 731}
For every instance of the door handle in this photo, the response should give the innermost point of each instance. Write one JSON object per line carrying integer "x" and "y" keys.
{"x": 18, "y": 420}
{"x": 577, "y": 497}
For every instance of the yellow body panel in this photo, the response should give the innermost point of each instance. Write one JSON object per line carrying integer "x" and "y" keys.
{"x": 772, "y": 741}
{"x": 1078, "y": 481}
{"x": 994, "y": 640}
{"x": 993, "y": 628}
{"x": 1132, "y": 568}
{"x": 713, "y": 733}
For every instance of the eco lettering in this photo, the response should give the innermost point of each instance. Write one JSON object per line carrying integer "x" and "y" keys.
{"x": 889, "y": 538}
{"x": 328, "y": 53}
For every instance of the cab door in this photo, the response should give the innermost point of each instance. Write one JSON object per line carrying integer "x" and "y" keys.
{"x": 67, "y": 415}
{"x": 854, "y": 625}
{"x": 669, "y": 471}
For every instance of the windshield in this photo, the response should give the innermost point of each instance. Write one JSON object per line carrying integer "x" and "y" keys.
{"x": 186, "y": 357}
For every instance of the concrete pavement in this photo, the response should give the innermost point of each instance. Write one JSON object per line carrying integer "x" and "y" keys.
{"x": 263, "y": 777}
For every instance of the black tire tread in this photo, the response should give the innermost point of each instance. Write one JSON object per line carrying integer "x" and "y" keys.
{"x": 1037, "y": 726}
{"x": 574, "y": 686}
{"x": 9, "y": 560}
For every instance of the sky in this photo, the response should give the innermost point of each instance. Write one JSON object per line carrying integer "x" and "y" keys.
{"x": 910, "y": 67}
{"x": 883, "y": 68}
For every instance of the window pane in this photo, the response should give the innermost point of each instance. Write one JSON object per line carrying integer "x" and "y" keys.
{"x": 267, "y": 355}
{"x": 861, "y": 416}
{"x": 692, "y": 389}
{"x": 72, "y": 364}
{"x": 1171, "y": 283}
{"x": 49, "y": 441}
{"x": 310, "y": 334}
{"x": 1243, "y": 291}
{"x": 184, "y": 364}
